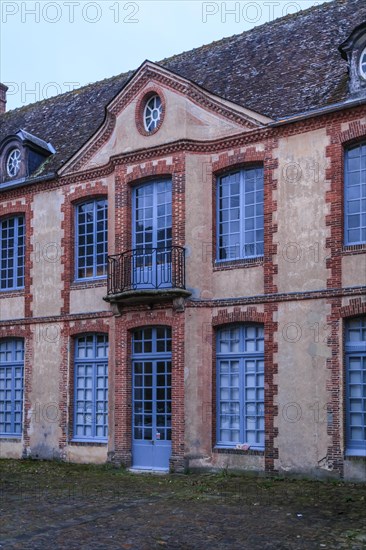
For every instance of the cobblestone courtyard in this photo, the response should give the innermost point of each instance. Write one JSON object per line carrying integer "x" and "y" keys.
{"x": 47, "y": 505}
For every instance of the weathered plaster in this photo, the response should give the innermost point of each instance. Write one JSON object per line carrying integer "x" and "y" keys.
{"x": 12, "y": 308}
{"x": 46, "y": 269}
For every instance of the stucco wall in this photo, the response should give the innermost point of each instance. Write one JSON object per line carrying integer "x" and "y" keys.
{"x": 88, "y": 300}
{"x": 86, "y": 454}
{"x": 46, "y": 269}
{"x": 11, "y": 449}
{"x": 302, "y": 394}
{"x": 12, "y": 308}
{"x": 45, "y": 410}
{"x": 301, "y": 212}
{"x": 354, "y": 270}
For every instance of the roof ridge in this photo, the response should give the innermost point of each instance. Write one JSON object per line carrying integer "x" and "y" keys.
{"x": 279, "y": 20}
{"x": 165, "y": 61}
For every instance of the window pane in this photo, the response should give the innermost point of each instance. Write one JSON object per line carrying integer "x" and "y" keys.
{"x": 91, "y": 239}
{"x": 91, "y": 387}
{"x": 356, "y": 384}
{"x": 240, "y": 215}
{"x": 355, "y": 208}
{"x": 12, "y": 251}
{"x": 240, "y": 386}
{"x": 11, "y": 386}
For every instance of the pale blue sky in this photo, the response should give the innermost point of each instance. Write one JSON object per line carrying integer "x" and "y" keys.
{"x": 49, "y": 47}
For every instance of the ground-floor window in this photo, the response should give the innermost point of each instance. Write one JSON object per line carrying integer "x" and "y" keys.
{"x": 356, "y": 386}
{"x": 11, "y": 386}
{"x": 91, "y": 387}
{"x": 240, "y": 386}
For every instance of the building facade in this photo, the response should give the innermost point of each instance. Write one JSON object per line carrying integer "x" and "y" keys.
{"x": 183, "y": 259}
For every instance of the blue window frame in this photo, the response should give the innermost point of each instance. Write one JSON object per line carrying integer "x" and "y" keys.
{"x": 11, "y": 386}
{"x": 12, "y": 250}
{"x": 91, "y": 239}
{"x": 356, "y": 387}
{"x": 240, "y": 386}
{"x": 240, "y": 222}
{"x": 91, "y": 388}
{"x": 355, "y": 195}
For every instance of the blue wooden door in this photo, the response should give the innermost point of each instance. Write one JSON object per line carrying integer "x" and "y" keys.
{"x": 151, "y": 416}
{"x": 152, "y": 235}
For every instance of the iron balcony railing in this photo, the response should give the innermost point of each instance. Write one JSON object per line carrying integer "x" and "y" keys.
{"x": 146, "y": 269}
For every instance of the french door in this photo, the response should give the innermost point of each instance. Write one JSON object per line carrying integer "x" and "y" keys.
{"x": 152, "y": 235}
{"x": 151, "y": 386}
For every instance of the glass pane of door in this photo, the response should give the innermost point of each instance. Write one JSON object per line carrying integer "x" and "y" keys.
{"x": 152, "y": 235}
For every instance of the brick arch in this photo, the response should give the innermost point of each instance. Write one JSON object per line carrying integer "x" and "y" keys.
{"x": 354, "y": 308}
{"x": 149, "y": 170}
{"x": 238, "y": 159}
{"x": 250, "y": 315}
{"x": 15, "y": 331}
{"x": 89, "y": 327}
{"x": 356, "y": 132}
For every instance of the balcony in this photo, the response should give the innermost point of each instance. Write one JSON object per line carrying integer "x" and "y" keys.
{"x": 147, "y": 275}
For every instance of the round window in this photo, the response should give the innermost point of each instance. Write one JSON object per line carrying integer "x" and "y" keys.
{"x": 152, "y": 113}
{"x": 13, "y": 163}
{"x": 363, "y": 63}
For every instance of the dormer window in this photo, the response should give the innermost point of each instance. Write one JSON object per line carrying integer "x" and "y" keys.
{"x": 13, "y": 163}
{"x": 353, "y": 50}
{"x": 21, "y": 155}
{"x": 363, "y": 64}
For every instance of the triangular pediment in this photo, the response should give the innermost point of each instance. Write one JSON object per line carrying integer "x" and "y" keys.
{"x": 190, "y": 113}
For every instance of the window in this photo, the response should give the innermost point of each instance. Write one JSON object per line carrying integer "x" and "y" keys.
{"x": 91, "y": 388}
{"x": 91, "y": 239}
{"x": 355, "y": 195}
{"x": 11, "y": 386}
{"x": 363, "y": 63}
{"x": 152, "y": 113}
{"x": 356, "y": 386}
{"x": 240, "y": 386}
{"x": 12, "y": 249}
{"x": 240, "y": 215}
{"x": 13, "y": 163}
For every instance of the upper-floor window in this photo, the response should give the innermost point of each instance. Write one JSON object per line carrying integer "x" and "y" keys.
{"x": 12, "y": 249}
{"x": 240, "y": 386}
{"x": 356, "y": 386}
{"x": 91, "y": 239}
{"x": 355, "y": 195}
{"x": 152, "y": 113}
{"x": 91, "y": 387}
{"x": 11, "y": 386}
{"x": 240, "y": 225}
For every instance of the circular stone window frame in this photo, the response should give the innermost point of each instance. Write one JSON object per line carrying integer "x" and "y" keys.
{"x": 362, "y": 61}
{"x": 140, "y": 111}
{"x": 11, "y": 151}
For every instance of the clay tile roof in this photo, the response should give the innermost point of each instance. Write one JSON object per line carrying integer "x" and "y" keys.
{"x": 278, "y": 69}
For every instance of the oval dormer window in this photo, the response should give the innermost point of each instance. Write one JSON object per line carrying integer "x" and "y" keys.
{"x": 152, "y": 113}
{"x": 13, "y": 163}
{"x": 363, "y": 64}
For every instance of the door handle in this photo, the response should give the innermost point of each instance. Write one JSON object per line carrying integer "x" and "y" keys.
{"x": 152, "y": 442}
